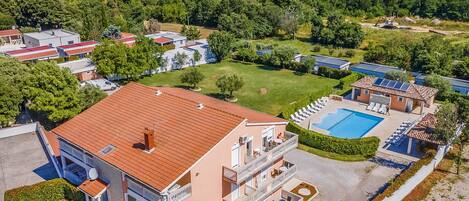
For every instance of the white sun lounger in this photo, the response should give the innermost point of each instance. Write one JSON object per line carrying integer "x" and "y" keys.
{"x": 305, "y": 111}
{"x": 382, "y": 109}
{"x": 318, "y": 104}
{"x": 299, "y": 117}
{"x": 377, "y": 106}
{"x": 325, "y": 99}
{"x": 314, "y": 107}
{"x": 370, "y": 106}
{"x": 311, "y": 109}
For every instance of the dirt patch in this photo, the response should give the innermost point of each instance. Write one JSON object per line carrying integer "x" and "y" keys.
{"x": 444, "y": 184}
{"x": 204, "y": 31}
{"x": 263, "y": 91}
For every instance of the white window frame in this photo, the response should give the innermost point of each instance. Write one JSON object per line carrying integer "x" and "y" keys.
{"x": 237, "y": 147}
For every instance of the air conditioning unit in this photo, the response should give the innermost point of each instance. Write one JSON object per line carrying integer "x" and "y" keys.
{"x": 243, "y": 139}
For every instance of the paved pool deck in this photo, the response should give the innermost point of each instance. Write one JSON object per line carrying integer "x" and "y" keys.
{"x": 383, "y": 130}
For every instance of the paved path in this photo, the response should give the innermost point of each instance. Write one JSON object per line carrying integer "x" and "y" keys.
{"x": 23, "y": 161}
{"x": 347, "y": 181}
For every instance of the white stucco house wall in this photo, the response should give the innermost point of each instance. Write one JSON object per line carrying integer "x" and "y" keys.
{"x": 53, "y": 38}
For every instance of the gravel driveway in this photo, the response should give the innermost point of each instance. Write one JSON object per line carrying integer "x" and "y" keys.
{"x": 337, "y": 180}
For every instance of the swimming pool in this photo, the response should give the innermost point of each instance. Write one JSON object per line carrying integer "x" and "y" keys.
{"x": 345, "y": 123}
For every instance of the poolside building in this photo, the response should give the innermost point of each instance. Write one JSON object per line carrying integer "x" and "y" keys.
{"x": 401, "y": 96}
{"x": 331, "y": 62}
{"x": 158, "y": 143}
{"x": 372, "y": 69}
{"x": 459, "y": 85}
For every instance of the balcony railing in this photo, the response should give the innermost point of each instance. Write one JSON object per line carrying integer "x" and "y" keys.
{"x": 180, "y": 193}
{"x": 240, "y": 174}
{"x": 267, "y": 189}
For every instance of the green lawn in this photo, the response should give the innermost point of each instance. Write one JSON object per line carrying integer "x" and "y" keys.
{"x": 282, "y": 86}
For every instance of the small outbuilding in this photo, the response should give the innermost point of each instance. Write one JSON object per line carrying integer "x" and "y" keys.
{"x": 331, "y": 62}
{"x": 373, "y": 69}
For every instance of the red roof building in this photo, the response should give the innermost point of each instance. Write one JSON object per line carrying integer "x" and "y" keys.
{"x": 163, "y": 40}
{"x": 81, "y": 48}
{"x": 11, "y": 36}
{"x": 157, "y": 142}
{"x": 34, "y": 53}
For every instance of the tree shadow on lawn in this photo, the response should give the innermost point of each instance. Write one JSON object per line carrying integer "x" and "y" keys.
{"x": 217, "y": 95}
{"x": 266, "y": 67}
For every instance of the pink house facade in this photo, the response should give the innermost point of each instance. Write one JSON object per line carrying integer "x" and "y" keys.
{"x": 168, "y": 144}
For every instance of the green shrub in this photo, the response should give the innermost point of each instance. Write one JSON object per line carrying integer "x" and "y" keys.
{"x": 168, "y": 47}
{"x": 340, "y": 54}
{"x": 350, "y": 53}
{"x": 332, "y": 73}
{"x": 331, "y": 52}
{"x": 316, "y": 48}
{"x": 246, "y": 54}
{"x": 366, "y": 146}
{"x": 52, "y": 190}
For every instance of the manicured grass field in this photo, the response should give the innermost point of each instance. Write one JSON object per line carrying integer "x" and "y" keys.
{"x": 266, "y": 89}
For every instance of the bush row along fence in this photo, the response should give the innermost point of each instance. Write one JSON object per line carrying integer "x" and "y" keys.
{"x": 52, "y": 190}
{"x": 421, "y": 174}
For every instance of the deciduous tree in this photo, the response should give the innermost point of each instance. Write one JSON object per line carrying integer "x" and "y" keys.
{"x": 221, "y": 44}
{"x": 229, "y": 84}
{"x": 192, "y": 76}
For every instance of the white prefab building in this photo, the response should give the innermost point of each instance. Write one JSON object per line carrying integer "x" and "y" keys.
{"x": 177, "y": 39}
{"x": 206, "y": 56}
{"x": 53, "y": 38}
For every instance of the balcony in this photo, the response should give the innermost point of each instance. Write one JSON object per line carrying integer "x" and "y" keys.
{"x": 180, "y": 193}
{"x": 280, "y": 177}
{"x": 271, "y": 153}
{"x": 75, "y": 174}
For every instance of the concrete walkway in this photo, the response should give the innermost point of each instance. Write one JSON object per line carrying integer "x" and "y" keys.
{"x": 337, "y": 180}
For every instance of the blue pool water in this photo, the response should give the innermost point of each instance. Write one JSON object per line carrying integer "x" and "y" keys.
{"x": 345, "y": 123}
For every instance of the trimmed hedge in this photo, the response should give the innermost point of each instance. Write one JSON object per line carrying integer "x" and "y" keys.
{"x": 366, "y": 146}
{"x": 52, "y": 190}
{"x": 333, "y": 73}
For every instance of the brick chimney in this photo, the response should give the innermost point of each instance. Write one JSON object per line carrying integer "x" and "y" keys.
{"x": 149, "y": 135}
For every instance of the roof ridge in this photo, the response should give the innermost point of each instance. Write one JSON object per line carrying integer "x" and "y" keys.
{"x": 186, "y": 99}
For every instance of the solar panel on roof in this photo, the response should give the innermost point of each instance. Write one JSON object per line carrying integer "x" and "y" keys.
{"x": 384, "y": 83}
{"x": 391, "y": 84}
{"x": 398, "y": 85}
{"x": 378, "y": 81}
{"x": 404, "y": 87}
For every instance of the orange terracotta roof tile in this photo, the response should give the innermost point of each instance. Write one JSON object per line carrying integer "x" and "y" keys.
{"x": 39, "y": 55}
{"x": 183, "y": 133}
{"x": 423, "y": 130}
{"x": 93, "y": 188}
{"x": 415, "y": 91}
{"x": 53, "y": 142}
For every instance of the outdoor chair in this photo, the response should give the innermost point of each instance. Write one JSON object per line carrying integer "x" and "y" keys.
{"x": 377, "y": 106}
{"x": 370, "y": 106}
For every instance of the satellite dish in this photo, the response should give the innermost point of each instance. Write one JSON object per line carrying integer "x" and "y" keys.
{"x": 93, "y": 174}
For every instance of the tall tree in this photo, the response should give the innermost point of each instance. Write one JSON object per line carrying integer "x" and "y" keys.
{"x": 221, "y": 44}
{"x": 193, "y": 76}
{"x": 109, "y": 56}
{"x": 54, "y": 91}
{"x": 10, "y": 101}
{"x": 447, "y": 120}
{"x": 230, "y": 84}
{"x": 443, "y": 86}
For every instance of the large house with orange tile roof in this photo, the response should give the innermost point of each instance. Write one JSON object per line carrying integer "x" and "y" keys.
{"x": 156, "y": 143}
{"x": 401, "y": 96}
